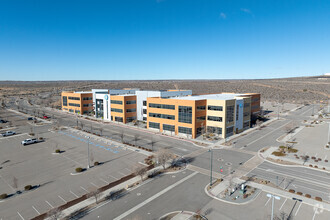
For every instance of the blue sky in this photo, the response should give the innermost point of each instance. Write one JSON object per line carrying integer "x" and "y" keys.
{"x": 163, "y": 39}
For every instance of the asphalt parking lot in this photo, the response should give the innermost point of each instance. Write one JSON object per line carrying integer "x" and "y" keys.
{"x": 36, "y": 164}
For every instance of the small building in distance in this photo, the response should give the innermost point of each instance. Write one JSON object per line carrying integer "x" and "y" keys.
{"x": 77, "y": 102}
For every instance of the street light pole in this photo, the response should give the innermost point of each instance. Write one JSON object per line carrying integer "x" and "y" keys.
{"x": 273, "y": 197}
{"x": 211, "y": 151}
{"x": 88, "y": 152}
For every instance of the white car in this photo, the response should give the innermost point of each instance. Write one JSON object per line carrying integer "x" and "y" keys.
{"x": 8, "y": 133}
{"x": 29, "y": 141}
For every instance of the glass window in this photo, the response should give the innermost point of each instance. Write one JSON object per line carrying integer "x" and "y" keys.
{"x": 116, "y": 110}
{"x": 131, "y": 102}
{"x": 229, "y": 130}
{"x": 74, "y": 104}
{"x": 87, "y": 98}
{"x": 144, "y": 111}
{"x": 215, "y": 130}
{"x": 163, "y": 106}
{"x": 116, "y": 102}
{"x": 246, "y": 114}
{"x": 131, "y": 110}
{"x": 201, "y": 107}
{"x": 214, "y": 118}
{"x": 130, "y": 119}
{"x": 184, "y": 130}
{"x": 158, "y": 115}
{"x": 201, "y": 118}
{"x": 144, "y": 103}
{"x": 230, "y": 114}
{"x": 99, "y": 108}
{"x": 154, "y": 125}
{"x": 119, "y": 119}
{"x": 65, "y": 101}
{"x": 214, "y": 108}
{"x": 246, "y": 124}
{"x": 168, "y": 127}
{"x": 247, "y": 104}
{"x": 185, "y": 114}
{"x": 73, "y": 98}
{"x": 144, "y": 118}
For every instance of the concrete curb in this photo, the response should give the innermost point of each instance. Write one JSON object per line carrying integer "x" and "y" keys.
{"x": 226, "y": 201}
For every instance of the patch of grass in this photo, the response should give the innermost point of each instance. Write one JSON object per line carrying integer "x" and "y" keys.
{"x": 292, "y": 150}
{"x": 3, "y": 196}
{"x": 79, "y": 169}
{"x": 278, "y": 154}
{"x": 28, "y": 187}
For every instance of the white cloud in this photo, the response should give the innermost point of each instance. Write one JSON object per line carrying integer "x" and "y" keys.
{"x": 223, "y": 15}
{"x": 247, "y": 11}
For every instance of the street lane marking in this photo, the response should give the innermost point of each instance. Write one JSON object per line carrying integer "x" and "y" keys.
{"x": 298, "y": 209}
{"x": 62, "y": 199}
{"x": 84, "y": 189}
{"x": 295, "y": 177}
{"x": 267, "y": 134}
{"x": 20, "y": 216}
{"x": 49, "y": 204}
{"x": 74, "y": 194}
{"x": 267, "y": 201}
{"x": 36, "y": 210}
{"x": 154, "y": 197}
{"x": 283, "y": 203}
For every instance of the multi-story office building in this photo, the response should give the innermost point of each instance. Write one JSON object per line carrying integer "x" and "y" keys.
{"x": 102, "y": 103}
{"x": 190, "y": 116}
{"x": 141, "y": 99}
{"x": 77, "y": 102}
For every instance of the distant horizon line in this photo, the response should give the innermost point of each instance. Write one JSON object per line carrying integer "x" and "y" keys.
{"x": 103, "y": 80}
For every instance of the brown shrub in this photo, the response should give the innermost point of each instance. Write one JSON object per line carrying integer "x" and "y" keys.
{"x": 291, "y": 191}
{"x": 318, "y": 199}
{"x": 308, "y": 196}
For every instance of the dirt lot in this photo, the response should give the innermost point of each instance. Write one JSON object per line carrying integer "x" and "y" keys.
{"x": 291, "y": 90}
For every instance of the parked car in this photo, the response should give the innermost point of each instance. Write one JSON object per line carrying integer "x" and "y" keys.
{"x": 3, "y": 121}
{"x": 30, "y": 118}
{"x": 45, "y": 117}
{"x": 8, "y": 133}
{"x": 29, "y": 141}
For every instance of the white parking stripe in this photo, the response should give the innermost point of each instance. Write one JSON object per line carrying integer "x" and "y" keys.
{"x": 121, "y": 173}
{"x": 62, "y": 199}
{"x": 113, "y": 177}
{"x": 283, "y": 203}
{"x": 298, "y": 209}
{"x": 314, "y": 214}
{"x": 94, "y": 185}
{"x": 74, "y": 194}
{"x": 84, "y": 189}
{"x": 104, "y": 181}
{"x": 36, "y": 210}
{"x": 267, "y": 201}
{"x": 49, "y": 204}
{"x": 20, "y": 216}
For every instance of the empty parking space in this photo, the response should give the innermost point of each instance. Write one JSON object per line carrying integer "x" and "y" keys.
{"x": 51, "y": 174}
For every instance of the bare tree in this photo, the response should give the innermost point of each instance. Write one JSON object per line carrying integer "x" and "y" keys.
{"x": 141, "y": 171}
{"x": 136, "y": 138}
{"x": 54, "y": 214}
{"x": 15, "y": 183}
{"x": 122, "y": 135}
{"x": 92, "y": 156}
{"x": 94, "y": 192}
{"x": 163, "y": 156}
{"x": 152, "y": 143}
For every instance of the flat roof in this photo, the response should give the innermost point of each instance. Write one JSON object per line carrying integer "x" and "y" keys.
{"x": 220, "y": 96}
{"x": 84, "y": 92}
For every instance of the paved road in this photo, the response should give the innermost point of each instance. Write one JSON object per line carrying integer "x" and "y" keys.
{"x": 305, "y": 180}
